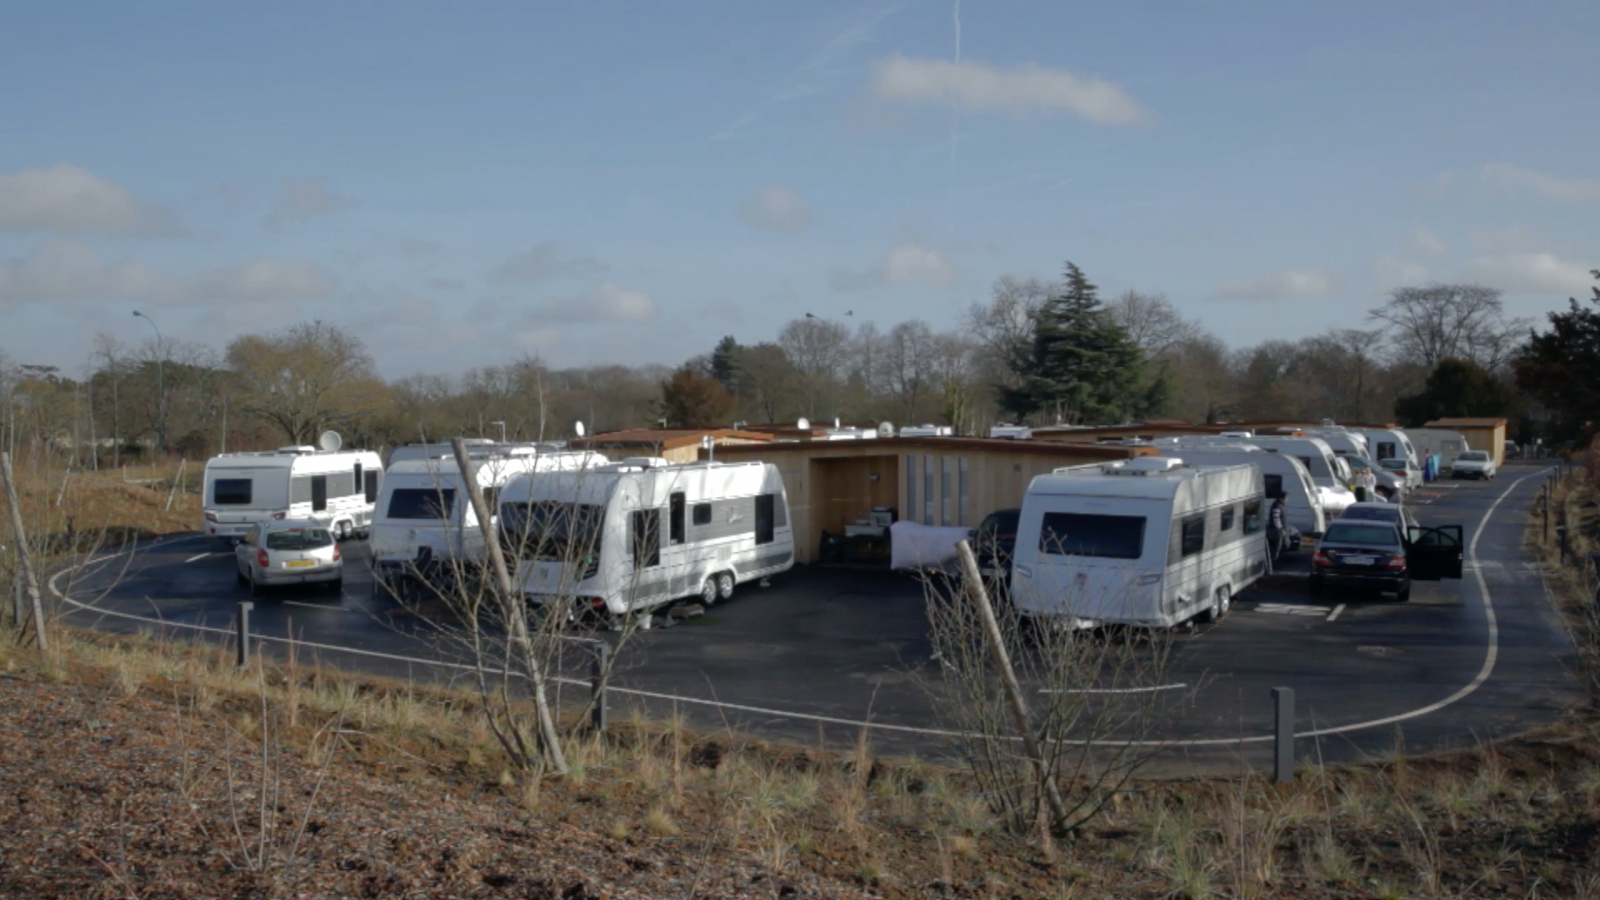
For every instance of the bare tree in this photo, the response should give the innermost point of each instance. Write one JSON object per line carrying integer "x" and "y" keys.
{"x": 816, "y": 348}
{"x": 1003, "y": 328}
{"x": 1466, "y": 321}
{"x": 909, "y": 363}
{"x": 1152, "y": 322}
{"x": 306, "y": 378}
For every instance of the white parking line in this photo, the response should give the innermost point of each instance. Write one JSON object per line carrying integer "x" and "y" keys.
{"x": 1335, "y": 614}
{"x": 197, "y": 556}
{"x": 1136, "y": 690}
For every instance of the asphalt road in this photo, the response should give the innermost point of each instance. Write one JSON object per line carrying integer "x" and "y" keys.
{"x": 822, "y": 651}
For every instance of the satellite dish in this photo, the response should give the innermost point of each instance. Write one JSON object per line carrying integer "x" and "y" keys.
{"x": 886, "y": 428}
{"x": 804, "y": 424}
{"x": 330, "y": 441}
{"x": 578, "y": 428}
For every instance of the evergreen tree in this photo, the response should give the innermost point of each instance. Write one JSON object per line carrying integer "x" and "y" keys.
{"x": 1559, "y": 368}
{"x": 725, "y": 364}
{"x": 1084, "y": 367}
{"x": 1456, "y": 387}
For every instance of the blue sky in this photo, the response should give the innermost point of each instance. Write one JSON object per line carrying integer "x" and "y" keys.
{"x": 626, "y": 182}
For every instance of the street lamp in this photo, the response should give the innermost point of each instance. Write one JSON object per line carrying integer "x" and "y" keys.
{"x": 161, "y": 384}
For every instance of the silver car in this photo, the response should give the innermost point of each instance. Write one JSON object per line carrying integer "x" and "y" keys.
{"x": 1401, "y": 468}
{"x": 288, "y": 551}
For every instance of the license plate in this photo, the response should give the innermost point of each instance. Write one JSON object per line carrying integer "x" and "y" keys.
{"x": 1360, "y": 560}
{"x": 299, "y": 564}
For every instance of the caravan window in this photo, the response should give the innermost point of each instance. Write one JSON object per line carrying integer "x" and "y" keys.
{"x": 1274, "y": 485}
{"x": 355, "y": 486}
{"x": 1227, "y": 519}
{"x": 675, "y": 523}
{"x": 371, "y": 485}
{"x": 1194, "y": 534}
{"x": 702, "y": 514}
{"x": 231, "y": 491}
{"x": 422, "y": 503}
{"x": 553, "y": 530}
{"x": 319, "y": 493}
{"x": 1082, "y": 534}
{"x": 1252, "y": 517}
{"x": 646, "y": 538}
{"x": 766, "y": 517}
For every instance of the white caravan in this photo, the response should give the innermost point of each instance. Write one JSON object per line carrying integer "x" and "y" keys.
{"x": 1392, "y": 443}
{"x": 1319, "y": 460}
{"x": 1005, "y": 431}
{"x": 1149, "y": 542}
{"x": 1281, "y": 474}
{"x": 632, "y": 536}
{"x": 336, "y": 488}
{"x": 424, "y": 518}
{"x": 927, "y": 431}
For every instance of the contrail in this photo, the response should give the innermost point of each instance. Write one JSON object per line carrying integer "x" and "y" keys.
{"x": 955, "y": 127}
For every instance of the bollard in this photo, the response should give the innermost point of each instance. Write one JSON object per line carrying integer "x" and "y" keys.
{"x": 242, "y": 627}
{"x": 1283, "y": 743}
{"x": 597, "y": 687}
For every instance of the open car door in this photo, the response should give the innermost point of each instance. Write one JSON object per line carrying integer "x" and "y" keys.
{"x": 1435, "y": 553}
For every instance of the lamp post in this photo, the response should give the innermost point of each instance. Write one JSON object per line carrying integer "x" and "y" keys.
{"x": 161, "y": 384}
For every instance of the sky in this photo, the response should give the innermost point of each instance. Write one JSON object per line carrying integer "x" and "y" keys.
{"x": 608, "y": 182}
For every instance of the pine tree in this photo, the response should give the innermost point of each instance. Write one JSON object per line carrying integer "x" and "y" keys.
{"x": 725, "y": 364}
{"x": 1083, "y": 368}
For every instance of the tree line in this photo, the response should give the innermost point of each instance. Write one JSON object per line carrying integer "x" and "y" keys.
{"x": 1034, "y": 351}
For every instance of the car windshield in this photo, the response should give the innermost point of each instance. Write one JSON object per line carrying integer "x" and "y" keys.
{"x": 299, "y": 539}
{"x": 1367, "y": 535}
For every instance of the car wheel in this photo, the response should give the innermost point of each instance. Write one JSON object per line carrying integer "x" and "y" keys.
{"x": 725, "y": 586}
{"x": 1404, "y": 596}
{"x": 708, "y": 591}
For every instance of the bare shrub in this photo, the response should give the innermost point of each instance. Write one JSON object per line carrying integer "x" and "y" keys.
{"x": 1092, "y": 708}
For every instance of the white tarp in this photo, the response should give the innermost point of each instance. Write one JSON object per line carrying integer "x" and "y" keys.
{"x": 913, "y": 546}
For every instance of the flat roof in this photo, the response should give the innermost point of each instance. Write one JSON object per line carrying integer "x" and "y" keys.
{"x": 899, "y": 445}
{"x": 1468, "y": 422}
{"x": 664, "y": 438}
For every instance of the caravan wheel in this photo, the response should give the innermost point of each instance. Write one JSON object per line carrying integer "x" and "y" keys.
{"x": 1221, "y": 602}
{"x": 725, "y": 585}
{"x": 708, "y": 591}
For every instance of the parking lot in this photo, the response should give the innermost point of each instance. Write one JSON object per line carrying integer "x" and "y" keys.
{"x": 823, "y": 650}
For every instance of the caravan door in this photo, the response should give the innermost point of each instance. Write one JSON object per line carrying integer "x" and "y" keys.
{"x": 648, "y": 577}
{"x": 1433, "y": 554}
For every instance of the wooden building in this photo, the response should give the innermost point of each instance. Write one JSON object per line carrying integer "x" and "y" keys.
{"x": 935, "y": 481}
{"x": 1481, "y": 434}
{"x": 676, "y": 445}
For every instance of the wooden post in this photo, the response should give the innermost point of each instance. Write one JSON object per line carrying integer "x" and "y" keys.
{"x": 177, "y": 480}
{"x": 973, "y": 581}
{"x": 29, "y": 576}
{"x": 241, "y": 627}
{"x": 1283, "y": 734}
{"x": 515, "y": 608}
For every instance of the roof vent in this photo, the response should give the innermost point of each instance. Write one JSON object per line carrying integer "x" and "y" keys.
{"x": 297, "y": 450}
{"x": 1145, "y": 465}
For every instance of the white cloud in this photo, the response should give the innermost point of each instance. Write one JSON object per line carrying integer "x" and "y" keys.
{"x": 1021, "y": 89}
{"x": 301, "y": 200}
{"x": 545, "y": 263}
{"x": 1552, "y": 187}
{"x": 907, "y": 263}
{"x": 1431, "y": 242}
{"x": 70, "y": 200}
{"x": 777, "y": 209}
{"x": 1531, "y": 273}
{"x": 606, "y": 303}
{"x": 64, "y": 271}
{"x": 1503, "y": 241}
{"x": 1292, "y": 285}
{"x": 1393, "y": 270}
